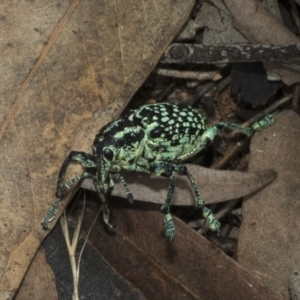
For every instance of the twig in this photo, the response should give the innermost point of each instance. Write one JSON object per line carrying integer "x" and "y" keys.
{"x": 222, "y": 84}
{"x": 166, "y": 92}
{"x": 205, "y": 54}
{"x": 201, "y": 91}
{"x": 213, "y": 75}
{"x": 296, "y": 96}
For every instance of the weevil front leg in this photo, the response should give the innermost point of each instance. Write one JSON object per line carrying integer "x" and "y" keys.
{"x": 102, "y": 197}
{"x": 129, "y": 195}
{"x": 52, "y": 210}
{"x": 85, "y": 159}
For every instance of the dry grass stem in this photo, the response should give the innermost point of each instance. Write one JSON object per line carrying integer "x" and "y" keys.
{"x": 213, "y": 75}
{"x": 72, "y": 246}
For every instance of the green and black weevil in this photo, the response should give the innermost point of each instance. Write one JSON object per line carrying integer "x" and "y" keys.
{"x": 154, "y": 138}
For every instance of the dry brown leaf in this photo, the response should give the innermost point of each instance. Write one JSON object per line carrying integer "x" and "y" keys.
{"x": 97, "y": 279}
{"x": 215, "y": 186}
{"x": 269, "y": 237}
{"x": 254, "y": 21}
{"x": 62, "y": 63}
{"x": 188, "y": 268}
{"x": 294, "y": 285}
{"x": 217, "y": 21}
{"x": 39, "y": 282}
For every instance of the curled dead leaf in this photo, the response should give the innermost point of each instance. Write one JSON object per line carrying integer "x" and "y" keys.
{"x": 215, "y": 185}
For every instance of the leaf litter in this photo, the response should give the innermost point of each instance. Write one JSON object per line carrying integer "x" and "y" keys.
{"x": 70, "y": 81}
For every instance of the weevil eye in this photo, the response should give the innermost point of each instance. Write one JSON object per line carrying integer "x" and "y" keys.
{"x": 108, "y": 154}
{"x": 155, "y": 133}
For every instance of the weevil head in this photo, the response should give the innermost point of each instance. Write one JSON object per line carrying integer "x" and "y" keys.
{"x": 105, "y": 150}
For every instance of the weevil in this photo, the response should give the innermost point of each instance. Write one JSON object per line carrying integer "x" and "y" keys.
{"x": 155, "y": 138}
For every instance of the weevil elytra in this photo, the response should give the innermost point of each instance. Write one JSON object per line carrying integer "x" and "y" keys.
{"x": 156, "y": 139}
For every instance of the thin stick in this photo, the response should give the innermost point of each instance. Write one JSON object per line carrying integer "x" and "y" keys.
{"x": 214, "y": 75}
{"x": 295, "y": 103}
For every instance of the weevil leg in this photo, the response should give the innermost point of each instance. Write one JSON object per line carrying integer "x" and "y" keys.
{"x": 129, "y": 195}
{"x": 160, "y": 168}
{"x": 170, "y": 229}
{"x": 63, "y": 189}
{"x": 211, "y": 132}
{"x": 265, "y": 122}
{"x": 213, "y": 224}
{"x": 102, "y": 198}
{"x": 259, "y": 125}
{"x": 85, "y": 159}
{"x": 168, "y": 169}
{"x": 166, "y": 206}
{"x": 105, "y": 212}
{"x": 246, "y": 130}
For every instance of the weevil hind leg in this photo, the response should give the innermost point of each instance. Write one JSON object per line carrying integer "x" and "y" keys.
{"x": 211, "y": 132}
{"x": 264, "y": 122}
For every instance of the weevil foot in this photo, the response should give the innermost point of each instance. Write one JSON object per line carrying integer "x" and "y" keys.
{"x": 165, "y": 209}
{"x": 51, "y": 214}
{"x": 106, "y": 213}
{"x": 214, "y": 225}
{"x": 170, "y": 229}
